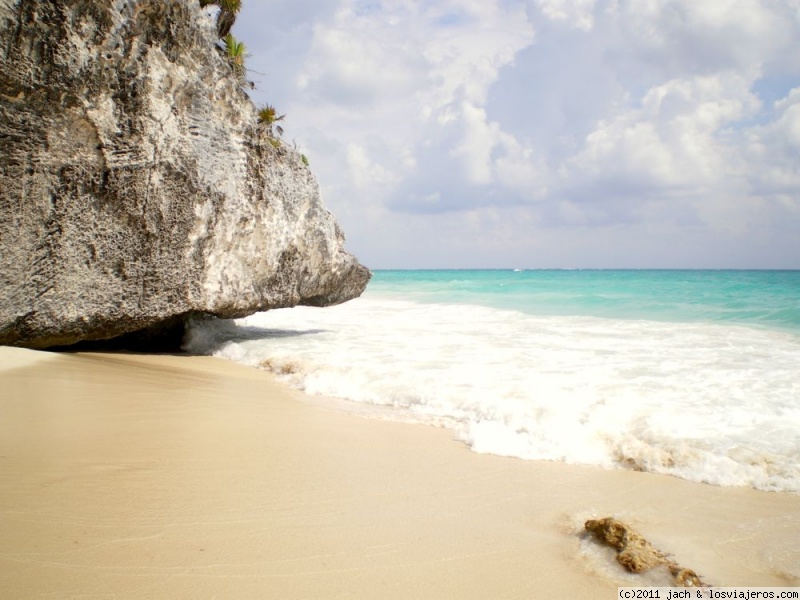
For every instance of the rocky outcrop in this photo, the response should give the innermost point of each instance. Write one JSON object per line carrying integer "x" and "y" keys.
{"x": 636, "y": 554}
{"x": 135, "y": 185}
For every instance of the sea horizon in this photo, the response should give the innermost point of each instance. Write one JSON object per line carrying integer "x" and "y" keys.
{"x": 735, "y": 269}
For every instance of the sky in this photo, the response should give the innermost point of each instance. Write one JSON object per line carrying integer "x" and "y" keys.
{"x": 543, "y": 133}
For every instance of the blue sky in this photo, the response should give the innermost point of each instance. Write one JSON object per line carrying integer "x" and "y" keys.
{"x": 546, "y": 133}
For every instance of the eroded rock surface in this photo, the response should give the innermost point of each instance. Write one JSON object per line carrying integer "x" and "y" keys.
{"x": 135, "y": 184}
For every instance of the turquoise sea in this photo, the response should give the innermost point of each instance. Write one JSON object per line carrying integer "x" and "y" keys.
{"x": 694, "y": 374}
{"x": 756, "y": 298}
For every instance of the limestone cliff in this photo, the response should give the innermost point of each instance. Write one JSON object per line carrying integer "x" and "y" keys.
{"x": 135, "y": 184}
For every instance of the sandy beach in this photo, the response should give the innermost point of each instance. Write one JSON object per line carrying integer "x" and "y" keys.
{"x": 156, "y": 476}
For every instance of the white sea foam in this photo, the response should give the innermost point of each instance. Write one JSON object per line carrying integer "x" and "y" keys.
{"x": 712, "y": 403}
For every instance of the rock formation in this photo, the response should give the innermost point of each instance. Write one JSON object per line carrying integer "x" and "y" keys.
{"x": 136, "y": 187}
{"x": 635, "y": 553}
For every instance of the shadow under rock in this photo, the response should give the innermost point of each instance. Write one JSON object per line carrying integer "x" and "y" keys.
{"x": 214, "y": 332}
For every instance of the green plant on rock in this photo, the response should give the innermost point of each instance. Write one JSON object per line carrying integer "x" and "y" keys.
{"x": 235, "y": 53}
{"x": 226, "y": 17}
{"x": 268, "y": 117}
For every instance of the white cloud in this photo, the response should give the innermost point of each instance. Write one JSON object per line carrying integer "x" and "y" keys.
{"x": 364, "y": 172}
{"x": 786, "y": 127}
{"x": 574, "y": 13}
{"x": 774, "y": 147}
{"x": 675, "y": 139}
{"x": 689, "y": 36}
{"x": 416, "y": 76}
{"x": 351, "y": 62}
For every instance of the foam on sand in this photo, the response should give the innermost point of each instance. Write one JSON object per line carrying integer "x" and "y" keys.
{"x": 702, "y": 401}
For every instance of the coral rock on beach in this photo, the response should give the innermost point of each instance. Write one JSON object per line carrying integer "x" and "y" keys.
{"x": 136, "y": 188}
{"x": 635, "y": 553}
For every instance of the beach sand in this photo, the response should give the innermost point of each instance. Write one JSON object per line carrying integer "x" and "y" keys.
{"x": 154, "y": 476}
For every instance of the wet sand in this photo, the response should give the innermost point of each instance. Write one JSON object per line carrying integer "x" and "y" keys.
{"x": 149, "y": 476}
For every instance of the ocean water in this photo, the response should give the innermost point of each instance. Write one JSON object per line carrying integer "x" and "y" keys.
{"x": 694, "y": 374}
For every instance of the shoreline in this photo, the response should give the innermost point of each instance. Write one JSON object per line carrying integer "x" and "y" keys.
{"x": 133, "y": 475}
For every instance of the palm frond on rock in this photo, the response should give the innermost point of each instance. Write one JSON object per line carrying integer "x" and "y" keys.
{"x": 235, "y": 53}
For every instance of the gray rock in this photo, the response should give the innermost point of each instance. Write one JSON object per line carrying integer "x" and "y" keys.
{"x": 135, "y": 184}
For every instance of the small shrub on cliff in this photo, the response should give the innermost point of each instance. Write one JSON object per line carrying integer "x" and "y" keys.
{"x": 268, "y": 117}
